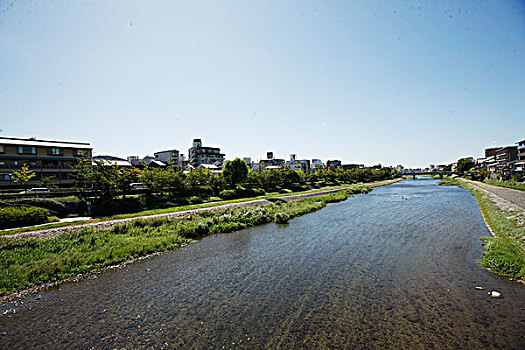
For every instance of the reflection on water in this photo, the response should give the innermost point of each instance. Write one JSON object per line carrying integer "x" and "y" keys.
{"x": 391, "y": 269}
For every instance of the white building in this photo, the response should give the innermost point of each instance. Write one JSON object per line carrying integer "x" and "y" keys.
{"x": 168, "y": 157}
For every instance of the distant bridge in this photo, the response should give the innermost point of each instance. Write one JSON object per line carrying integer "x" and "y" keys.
{"x": 431, "y": 173}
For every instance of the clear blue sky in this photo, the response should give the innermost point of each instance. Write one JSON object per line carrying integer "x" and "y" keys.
{"x": 403, "y": 82}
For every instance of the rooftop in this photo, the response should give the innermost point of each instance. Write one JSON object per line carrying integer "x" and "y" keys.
{"x": 42, "y": 143}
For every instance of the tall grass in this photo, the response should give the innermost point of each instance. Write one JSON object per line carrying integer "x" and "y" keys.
{"x": 509, "y": 184}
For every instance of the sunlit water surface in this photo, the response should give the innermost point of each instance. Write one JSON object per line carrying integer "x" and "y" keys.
{"x": 395, "y": 268}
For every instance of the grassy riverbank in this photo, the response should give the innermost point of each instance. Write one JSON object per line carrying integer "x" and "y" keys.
{"x": 28, "y": 262}
{"x": 505, "y": 253}
{"x": 508, "y": 184}
{"x": 182, "y": 208}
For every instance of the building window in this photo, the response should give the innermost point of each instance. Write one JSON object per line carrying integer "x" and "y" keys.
{"x": 55, "y": 151}
{"x": 2, "y": 149}
{"x": 26, "y": 150}
{"x": 5, "y": 177}
{"x": 81, "y": 153}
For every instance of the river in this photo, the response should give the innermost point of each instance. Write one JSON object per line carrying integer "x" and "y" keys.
{"x": 395, "y": 268}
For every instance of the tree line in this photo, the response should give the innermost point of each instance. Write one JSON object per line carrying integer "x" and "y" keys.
{"x": 236, "y": 180}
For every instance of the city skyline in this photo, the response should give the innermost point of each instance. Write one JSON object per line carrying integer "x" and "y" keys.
{"x": 363, "y": 82}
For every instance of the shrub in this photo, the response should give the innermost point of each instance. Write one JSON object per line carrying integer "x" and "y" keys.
{"x": 195, "y": 200}
{"x": 118, "y": 206}
{"x": 58, "y": 208}
{"x": 228, "y": 194}
{"x": 281, "y": 218}
{"x": 215, "y": 199}
{"x": 22, "y": 216}
{"x": 285, "y": 190}
{"x": 258, "y": 192}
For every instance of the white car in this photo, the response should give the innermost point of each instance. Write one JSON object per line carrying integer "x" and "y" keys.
{"x": 137, "y": 185}
{"x": 36, "y": 190}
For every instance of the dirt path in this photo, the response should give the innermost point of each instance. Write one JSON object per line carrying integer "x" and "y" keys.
{"x": 513, "y": 196}
{"x": 53, "y": 232}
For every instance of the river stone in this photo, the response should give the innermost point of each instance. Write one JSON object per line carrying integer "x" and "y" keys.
{"x": 495, "y": 294}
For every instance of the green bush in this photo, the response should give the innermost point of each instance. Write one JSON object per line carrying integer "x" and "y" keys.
{"x": 228, "y": 194}
{"x": 214, "y": 199}
{"x": 281, "y": 218}
{"x": 195, "y": 200}
{"x": 105, "y": 207}
{"x": 22, "y": 216}
{"x": 56, "y": 207}
{"x": 504, "y": 256}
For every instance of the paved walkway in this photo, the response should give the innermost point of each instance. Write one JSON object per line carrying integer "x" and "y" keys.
{"x": 511, "y": 195}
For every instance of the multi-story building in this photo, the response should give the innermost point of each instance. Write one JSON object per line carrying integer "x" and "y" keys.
{"x": 198, "y": 155}
{"x": 505, "y": 158}
{"x": 271, "y": 162}
{"x": 359, "y": 166}
{"x": 332, "y": 164}
{"x": 519, "y": 167}
{"x": 51, "y": 159}
{"x": 168, "y": 157}
{"x": 317, "y": 164}
{"x": 298, "y": 164}
{"x": 490, "y": 152}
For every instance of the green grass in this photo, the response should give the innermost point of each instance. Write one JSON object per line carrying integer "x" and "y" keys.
{"x": 505, "y": 253}
{"x": 164, "y": 211}
{"x": 509, "y": 184}
{"x": 26, "y": 262}
{"x": 64, "y": 199}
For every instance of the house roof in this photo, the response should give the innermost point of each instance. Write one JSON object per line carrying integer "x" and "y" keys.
{"x": 43, "y": 143}
{"x": 209, "y": 166}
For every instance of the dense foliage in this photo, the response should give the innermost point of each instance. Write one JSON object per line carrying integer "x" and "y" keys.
{"x": 465, "y": 164}
{"x": 22, "y": 216}
{"x": 55, "y": 207}
{"x": 172, "y": 186}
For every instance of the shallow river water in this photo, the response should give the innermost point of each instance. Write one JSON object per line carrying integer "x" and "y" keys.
{"x": 391, "y": 269}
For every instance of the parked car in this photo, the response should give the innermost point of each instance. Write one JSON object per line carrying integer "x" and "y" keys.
{"x": 137, "y": 185}
{"x": 36, "y": 190}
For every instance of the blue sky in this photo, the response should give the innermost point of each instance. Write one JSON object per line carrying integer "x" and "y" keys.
{"x": 406, "y": 82}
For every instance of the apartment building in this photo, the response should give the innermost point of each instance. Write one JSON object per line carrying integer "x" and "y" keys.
{"x": 46, "y": 158}
{"x": 298, "y": 164}
{"x": 505, "y": 158}
{"x": 333, "y": 164}
{"x": 519, "y": 167}
{"x": 198, "y": 155}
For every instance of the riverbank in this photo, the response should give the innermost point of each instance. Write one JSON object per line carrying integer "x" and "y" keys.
{"x": 505, "y": 252}
{"x": 30, "y": 264}
{"x": 53, "y": 229}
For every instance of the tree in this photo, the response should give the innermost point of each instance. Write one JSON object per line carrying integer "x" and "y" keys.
{"x": 83, "y": 175}
{"x": 47, "y": 181}
{"x": 155, "y": 180}
{"x": 105, "y": 178}
{"x": 24, "y": 174}
{"x": 126, "y": 178}
{"x": 464, "y": 164}
{"x": 235, "y": 172}
{"x": 198, "y": 181}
